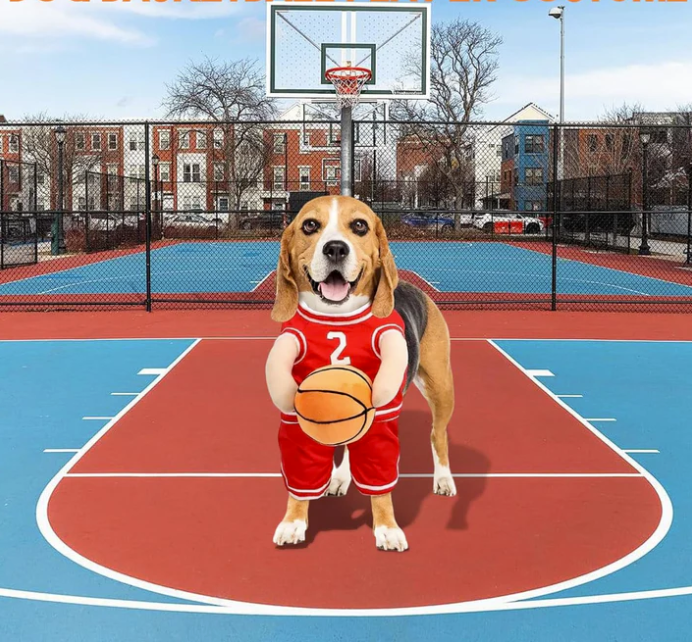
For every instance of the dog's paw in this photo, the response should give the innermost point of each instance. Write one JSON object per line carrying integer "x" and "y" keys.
{"x": 390, "y": 539}
{"x": 290, "y": 532}
{"x": 443, "y": 482}
{"x": 339, "y": 484}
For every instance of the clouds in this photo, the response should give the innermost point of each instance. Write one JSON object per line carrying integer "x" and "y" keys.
{"x": 57, "y": 21}
{"x": 118, "y": 22}
{"x": 657, "y": 86}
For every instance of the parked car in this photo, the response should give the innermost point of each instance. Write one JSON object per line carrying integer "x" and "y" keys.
{"x": 265, "y": 220}
{"x": 429, "y": 220}
{"x": 508, "y": 223}
{"x": 191, "y": 225}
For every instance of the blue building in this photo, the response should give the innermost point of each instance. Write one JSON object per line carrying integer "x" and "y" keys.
{"x": 525, "y": 165}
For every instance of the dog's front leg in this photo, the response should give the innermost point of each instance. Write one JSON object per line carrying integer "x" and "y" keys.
{"x": 293, "y": 526}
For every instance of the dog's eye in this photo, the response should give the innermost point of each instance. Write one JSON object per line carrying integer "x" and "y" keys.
{"x": 359, "y": 227}
{"x": 310, "y": 226}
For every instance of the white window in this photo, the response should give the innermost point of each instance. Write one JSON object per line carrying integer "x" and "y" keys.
{"x": 14, "y": 144}
{"x": 80, "y": 141}
{"x": 112, "y": 177}
{"x": 191, "y": 173}
{"x": 13, "y": 174}
{"x": 218, "y": 139}
{"x": 40, "y": 205}
{"x": 280, "y": 177}
{"x": 112, "y": 141}
{"x": 184, "y": 140}
{"x": 218, "y": 171}
{"x": 165, "y": 172}
{"x": 201, "y": 140}
{"x": 333, "y": 135}
{"x": 279, "y": 143}
{"x": 306, "y": 139}
{"x": 330, "y": 174}
{"x": 40, "y": 177}
{"x": 137, "y": 172}
{"x": 165, "y": 139}
{"x": 224, "y": 204}
{"x": 356, "y": 169}
{"x": 192, "y": 203}
{"x": 304, "y": 173}
{"x": 168, "y": 202}
{"x": 81, "y": 203}
{"x": 96, "y": 142}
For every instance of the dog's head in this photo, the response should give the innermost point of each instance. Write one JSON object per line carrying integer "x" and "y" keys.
{"x": 335, "y": 257}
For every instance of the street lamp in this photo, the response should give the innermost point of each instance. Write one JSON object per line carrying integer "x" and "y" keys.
{"x": 559, "y": 14}
{"x": 645, "y": 139}
{"x": 155, "y": 162}
{"x": 58, "y": 241}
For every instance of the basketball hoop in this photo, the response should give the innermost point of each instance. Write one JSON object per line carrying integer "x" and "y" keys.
{"x": 348, "y": 82}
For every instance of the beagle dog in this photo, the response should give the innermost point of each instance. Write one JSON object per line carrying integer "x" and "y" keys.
{"x": 337, "y": 277}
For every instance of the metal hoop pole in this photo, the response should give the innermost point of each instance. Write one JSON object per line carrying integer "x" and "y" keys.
{"x": 346, "y": 151}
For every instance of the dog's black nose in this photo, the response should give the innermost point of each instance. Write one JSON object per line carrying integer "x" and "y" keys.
{"x": 335, "y": 250}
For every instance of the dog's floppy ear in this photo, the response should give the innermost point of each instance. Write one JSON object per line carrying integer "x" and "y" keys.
{"x": 383, "y": 301}
{"x": 286, "y": 302}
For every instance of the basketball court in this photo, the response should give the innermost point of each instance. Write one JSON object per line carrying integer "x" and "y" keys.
{"x": 140, "y": 465}
{"x": 143, "y": 487}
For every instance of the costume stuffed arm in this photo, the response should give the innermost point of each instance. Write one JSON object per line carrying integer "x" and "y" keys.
{"x": 394, "y": 353}
{"x": 279, "y": 372}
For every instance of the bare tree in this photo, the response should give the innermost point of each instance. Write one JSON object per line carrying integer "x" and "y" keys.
{"x": 39, "y": 147}
{"x": 463, "y": 63}
{"x": 231, "y": 95}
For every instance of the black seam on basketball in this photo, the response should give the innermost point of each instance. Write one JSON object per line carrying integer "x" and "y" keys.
{"x": 332, "y": 392}
{"x": 362, "y": 428}
{"x": 333, "y": 421}
{"x": 343, "y": 370}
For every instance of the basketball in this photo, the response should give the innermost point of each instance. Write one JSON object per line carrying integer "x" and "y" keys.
{"x": 334, "y": 405}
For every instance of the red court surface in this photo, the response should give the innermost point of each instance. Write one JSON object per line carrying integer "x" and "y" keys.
{"x": 212, "y": 535}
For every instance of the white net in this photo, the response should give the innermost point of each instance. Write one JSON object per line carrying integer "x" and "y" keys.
{"x": 348, "y": 83}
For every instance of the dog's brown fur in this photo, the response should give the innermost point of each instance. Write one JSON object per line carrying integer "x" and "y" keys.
{"x": 378, "y": 282}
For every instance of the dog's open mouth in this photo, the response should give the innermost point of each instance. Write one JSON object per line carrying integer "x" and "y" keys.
{"x": 335, "y": 288}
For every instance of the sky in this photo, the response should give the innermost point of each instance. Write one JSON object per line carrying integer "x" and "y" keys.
{"x": 112, "y": 59}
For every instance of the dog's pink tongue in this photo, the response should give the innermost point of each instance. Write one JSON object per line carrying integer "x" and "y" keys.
{"x": 334, "y": 289}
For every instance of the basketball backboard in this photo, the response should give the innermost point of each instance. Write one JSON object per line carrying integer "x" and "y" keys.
{"x": 304, "y": 40}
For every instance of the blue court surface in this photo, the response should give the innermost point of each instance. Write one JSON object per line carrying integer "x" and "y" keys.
{"x": 57, "y": 395}
{"x": 242, "y": 266}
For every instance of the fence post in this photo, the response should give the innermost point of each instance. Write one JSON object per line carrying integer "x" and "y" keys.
{"x": 147, "y": 209}
{"x": 35, "y": 208}
{"x": 553, "y": 280}
{"x": 688, "y": 260}
{"x": 87, "y": 245}
{"x": 2, "y": 216}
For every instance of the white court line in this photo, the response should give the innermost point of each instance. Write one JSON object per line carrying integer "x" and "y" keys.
{"x": 611, "y": 419}
{"x": 642, "y": 451}
{"x": 124, "y": 394}
{"x": 570, "y": 396}
{"x": 153, "y": 371}
{"x": 215, "y": 605}
{"x": 97, "y": 418}
{"x": 61, "y": 450}
{"x": 539, "y": 373}
{"x": 430, "y": 283}
{"x": 259, "y": 283}
{"x": 401, "y": 476}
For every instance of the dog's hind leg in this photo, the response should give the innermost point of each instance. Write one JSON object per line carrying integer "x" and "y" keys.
{"x": 341, "y": 477}
{"x": 434, "y": 380}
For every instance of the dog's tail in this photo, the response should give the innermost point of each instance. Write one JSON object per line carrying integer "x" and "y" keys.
{"x": 410, "y": 303}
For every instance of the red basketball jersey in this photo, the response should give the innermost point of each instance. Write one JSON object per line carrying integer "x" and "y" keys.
{"x": 345, "y": 339}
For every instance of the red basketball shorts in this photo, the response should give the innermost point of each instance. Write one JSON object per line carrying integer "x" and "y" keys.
{"x": 307, "y": 466}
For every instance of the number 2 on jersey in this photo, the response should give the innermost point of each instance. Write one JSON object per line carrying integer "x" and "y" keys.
{"x": 335, "y": 358}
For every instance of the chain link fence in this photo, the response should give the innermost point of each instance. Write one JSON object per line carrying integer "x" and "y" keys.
{"x": 189, "y": 214}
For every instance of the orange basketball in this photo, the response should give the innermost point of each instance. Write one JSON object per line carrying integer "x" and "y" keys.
{"x": 334, "y": 405}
